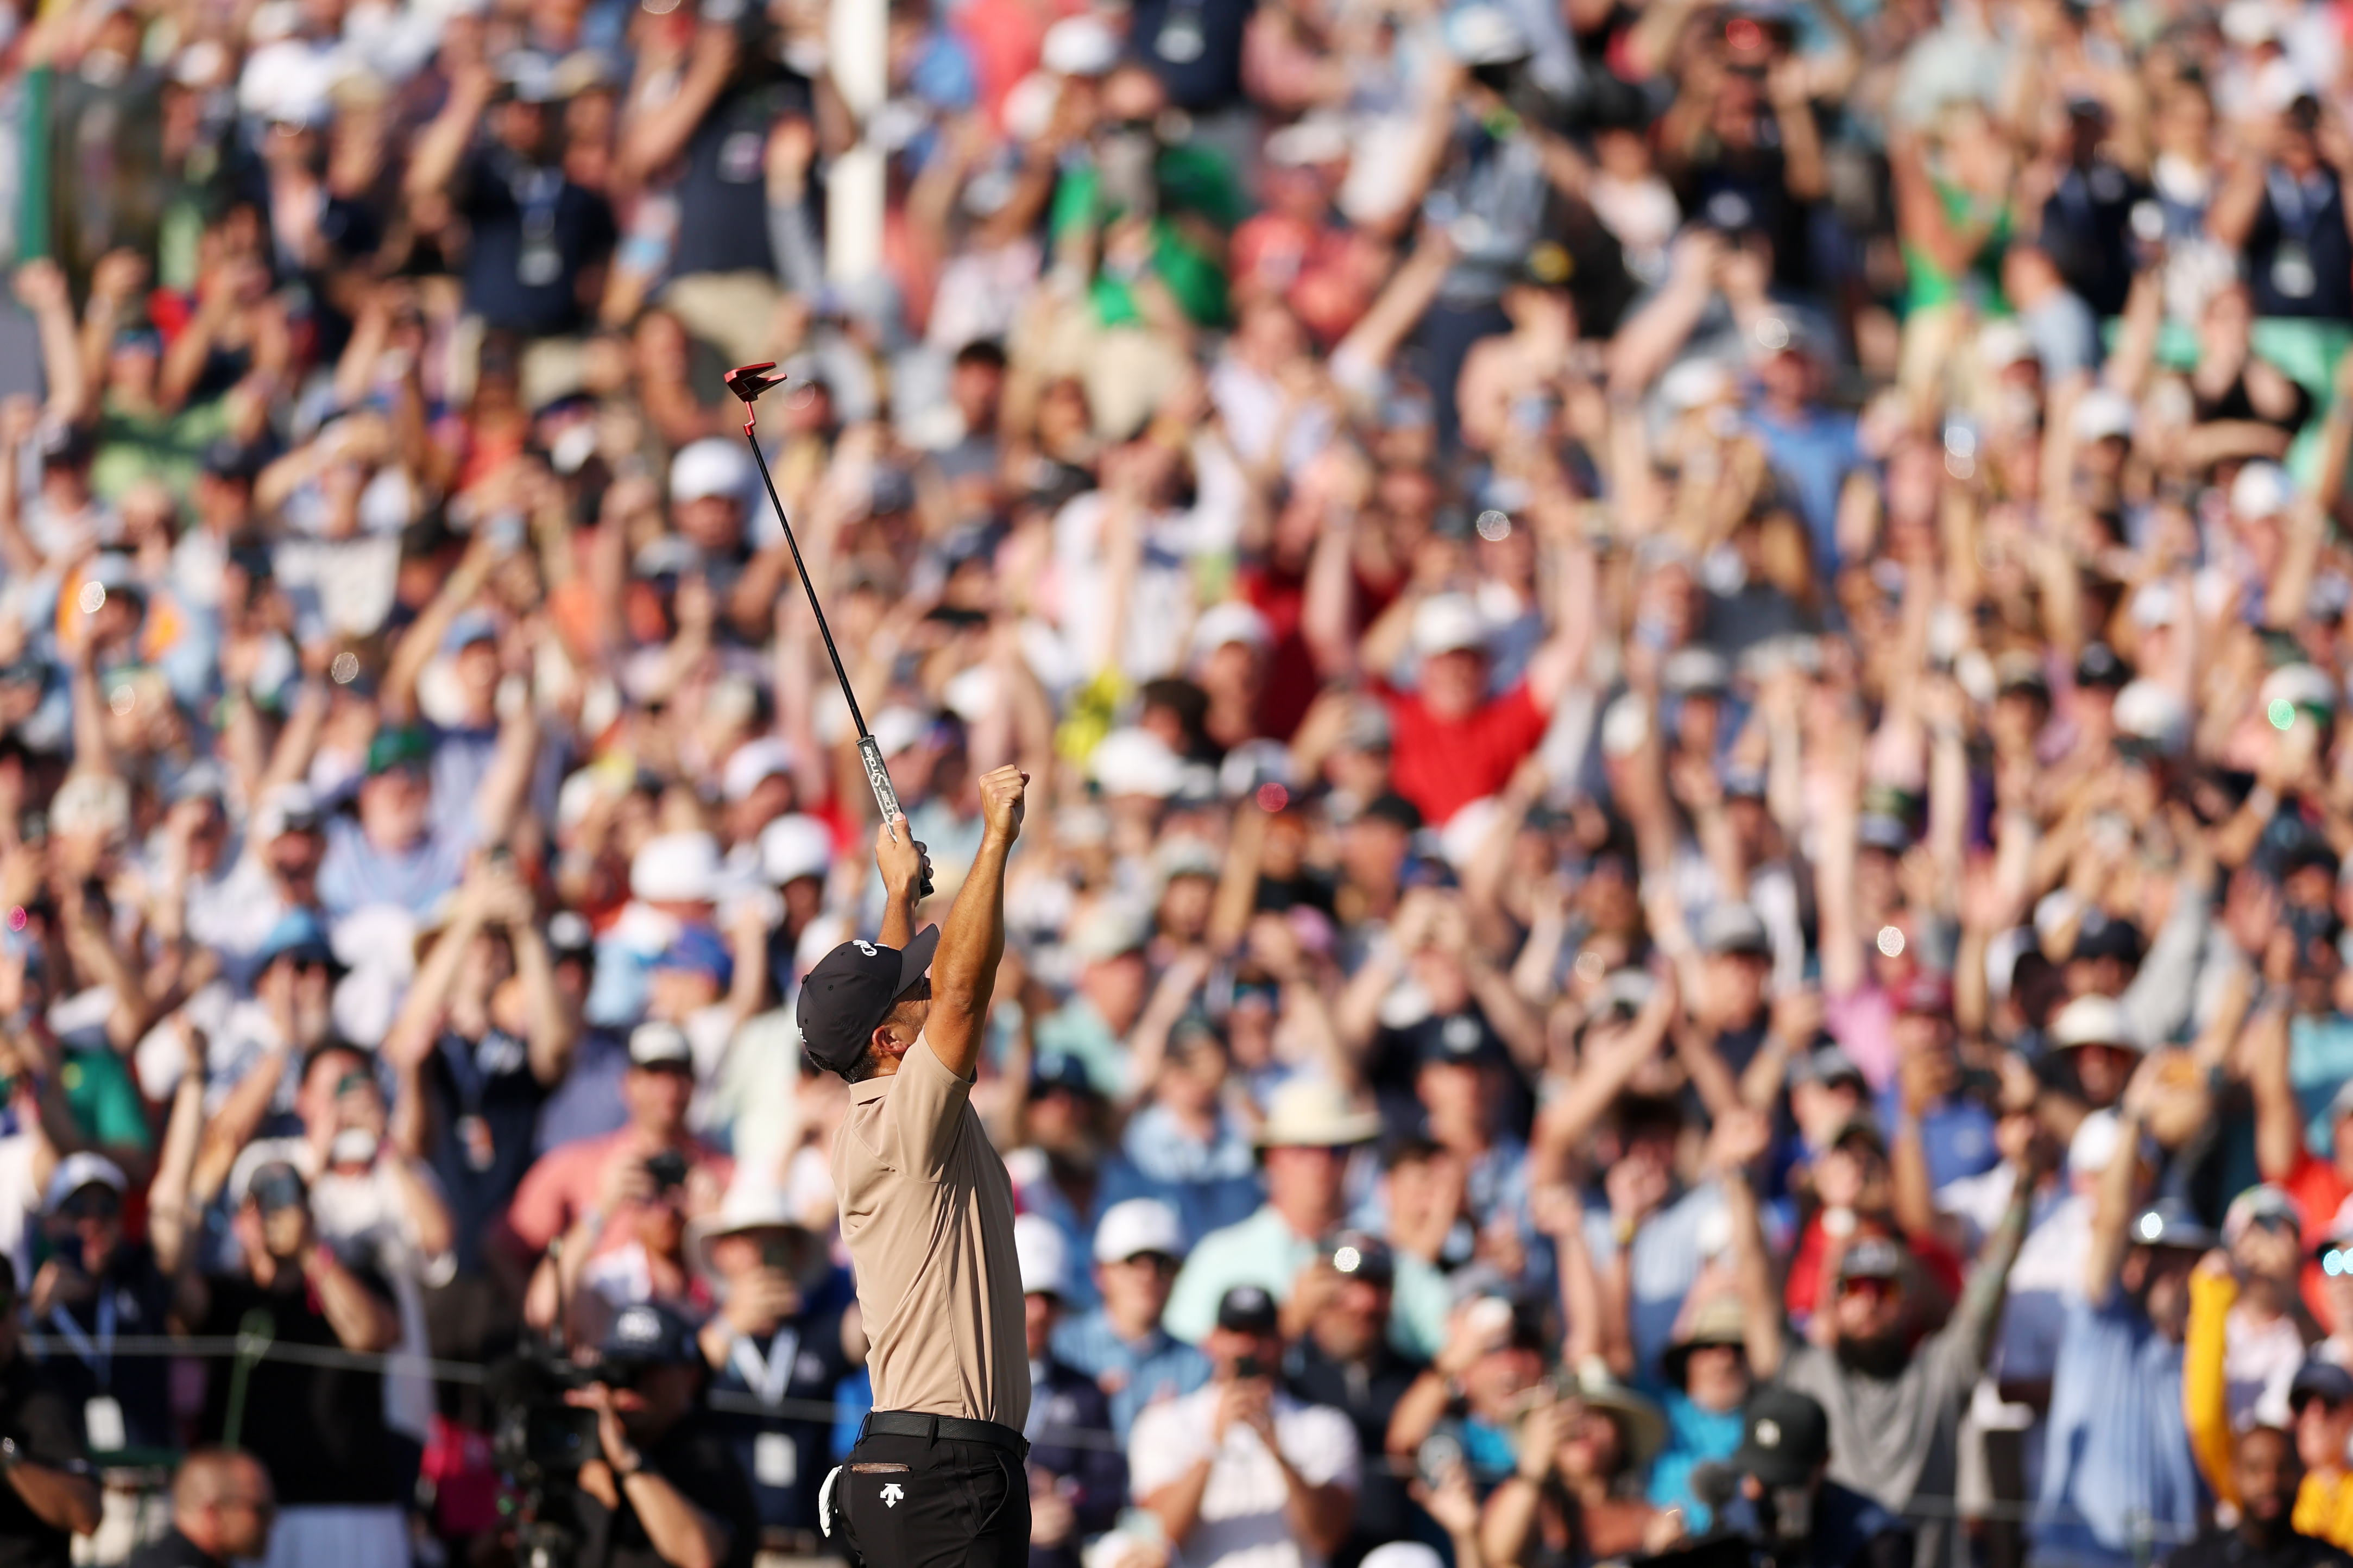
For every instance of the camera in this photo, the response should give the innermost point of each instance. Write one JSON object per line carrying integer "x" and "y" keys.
{"x": 667, "y": 1169}
{"x": 538, "y": 1442}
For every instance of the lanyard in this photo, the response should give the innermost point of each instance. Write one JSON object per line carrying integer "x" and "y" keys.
{"x": 2297, "y": 203}
{"x": 767, "y": 1380}
{"x": 99, "y": 1358}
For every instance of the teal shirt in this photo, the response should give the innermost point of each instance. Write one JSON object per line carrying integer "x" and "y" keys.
{"x": 1262, "y": 1251}
{"x": 1076, "y": 1030}
{"x": 2319, "y": 1060}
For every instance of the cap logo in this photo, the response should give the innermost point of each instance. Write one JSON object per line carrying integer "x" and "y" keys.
{"x": 638, "y": 1324}
{"x": 1769, "y": 1433}
{"x": 1460, "y": 1033}
{"x": 866, "y": 947}
{"x": 1347, "y": 1260}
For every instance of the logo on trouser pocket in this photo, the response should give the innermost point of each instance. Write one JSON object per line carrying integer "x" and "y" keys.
{"x": 892, "y": 1494}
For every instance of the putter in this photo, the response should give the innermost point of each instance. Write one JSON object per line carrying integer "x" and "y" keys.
{"x": 747, "y": 382}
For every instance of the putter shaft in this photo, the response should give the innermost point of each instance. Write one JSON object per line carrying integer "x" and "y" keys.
{"x": 878, "y": 776}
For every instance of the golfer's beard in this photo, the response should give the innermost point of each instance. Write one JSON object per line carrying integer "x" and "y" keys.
{"x": 1880, "y": 1356}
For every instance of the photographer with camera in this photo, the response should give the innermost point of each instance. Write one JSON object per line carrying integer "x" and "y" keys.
{"x": 664, "y": 1487}
{"x": 597, "y": 1193}
{"x": 1784, "y": 1502}
{"x": 318, "y": 1430}
{"x": 1239, "y": 1470}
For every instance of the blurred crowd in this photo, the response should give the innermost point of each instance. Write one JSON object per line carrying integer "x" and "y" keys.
{"x": 1683, "y": 668}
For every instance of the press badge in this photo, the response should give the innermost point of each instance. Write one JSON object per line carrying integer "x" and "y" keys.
{"x": 101, "y": 1419}
{"x": 776, "y": 1462}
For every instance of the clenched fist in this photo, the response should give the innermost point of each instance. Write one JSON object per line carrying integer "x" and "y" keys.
{"x": 1001, "y": 802}
{"x": 904, "y": 860}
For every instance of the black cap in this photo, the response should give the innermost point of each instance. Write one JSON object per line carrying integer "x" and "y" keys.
{"x": 2103, "y": 935}
{"x": 850, "y": 991}
{"x": 1461, "y": 1039}
{"x": 649, "y": 1334}
{"x": 2098, "y": 666}
{"x": 1060, "y": 1073}
{"x": 1247, "y": 1310}
{"x": 1784, "y": 1437}
{"x": 1396, "y": 809}
{"x": 1361, "y": 1254}
{"x": 2324, "y": 1379}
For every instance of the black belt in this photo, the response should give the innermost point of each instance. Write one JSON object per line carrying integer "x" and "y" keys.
{"x": 943, "y": 1429}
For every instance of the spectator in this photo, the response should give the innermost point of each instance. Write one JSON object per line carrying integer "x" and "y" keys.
{"x": 662, "y": 1486}
{"x": 2268, "y": 1475}
{"x": 1304, "y": 1142}
{"x": 1121, "y": 1343}
{"x": 596, "y": 1193}
{"x": 771, "y": 1342}
{"x": 1236, "y": 1467}
{"x": 1341, "y": 1359}
{"x": 97, "y": 1284}
{"x": 2115, "y": 1401}
{"x": 1786, "y": 1496}
{"x": 324, "y": 1439}
{"x": 1074, "y": 1488}
{"x": 222, "y": 1509}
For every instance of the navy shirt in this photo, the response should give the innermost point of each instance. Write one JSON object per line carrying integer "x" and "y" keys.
{"x": 484, "y": 1102}
{"x": 723, "y": 196}
{"x": 785, "y": 1457}
{"x": 534, "y": 232}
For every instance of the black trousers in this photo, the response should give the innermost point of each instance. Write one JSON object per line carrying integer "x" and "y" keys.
{"x": 914, "y": 1502}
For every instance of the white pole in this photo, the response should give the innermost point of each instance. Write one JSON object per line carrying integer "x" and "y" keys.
{"x": 858, "y": 38}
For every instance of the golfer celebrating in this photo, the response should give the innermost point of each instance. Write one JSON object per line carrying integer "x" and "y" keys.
{"x": 937, "y": 1477}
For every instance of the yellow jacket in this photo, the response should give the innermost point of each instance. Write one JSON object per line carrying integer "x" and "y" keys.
{"x": 2323, "y": 1504}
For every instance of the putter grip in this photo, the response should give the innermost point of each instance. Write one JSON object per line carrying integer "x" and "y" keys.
{"x": 885, "y": 795}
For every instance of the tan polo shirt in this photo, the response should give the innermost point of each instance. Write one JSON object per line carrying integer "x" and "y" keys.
{"x": 927, "y": 1210}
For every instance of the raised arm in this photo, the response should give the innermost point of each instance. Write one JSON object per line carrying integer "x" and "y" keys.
{"x": 441, "y": 147}
{"x": 655, "y": 136}
{"x": 971, "y": 942}
{"x": 1740, "y": 1140}
{"x": 2113, "y": 1205}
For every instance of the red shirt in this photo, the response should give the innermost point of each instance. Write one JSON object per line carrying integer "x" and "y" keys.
{"x": 1444, "y": 764}
{"x": 2320, "y": 1190}
{"x": 562, "y": 1185}
{"x": 1293, "y": 681}
{"x": 1936, "y": 1262}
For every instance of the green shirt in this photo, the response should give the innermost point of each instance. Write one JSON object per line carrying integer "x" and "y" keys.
{"x": 1191, "y": 181}
{"x": 104, "y": 1102}
{"x": 1263, "y": 1250}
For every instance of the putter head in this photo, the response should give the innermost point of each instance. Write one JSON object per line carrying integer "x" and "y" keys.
{"x": 748, "y": 380}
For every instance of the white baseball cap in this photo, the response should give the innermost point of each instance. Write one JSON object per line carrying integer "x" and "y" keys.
{"x": 2262, "y": 490}
{"x": 1231, "y": 621}
{"x": 751, "y": 764}
{"x": 1135, "y": 762}
{"x": 1083, "y": 45}
{"x": 2092, "y": 1021}
{"x": 795, "y": 847}
{"x": 1448, "y": 623}
{"x": 1043, "y": 1254}
{"x": 710, "y": 467}
{"x": 1138, "y": 1226}
{"x": 2102, "y": 415}
{"x": 676, "y": 867}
